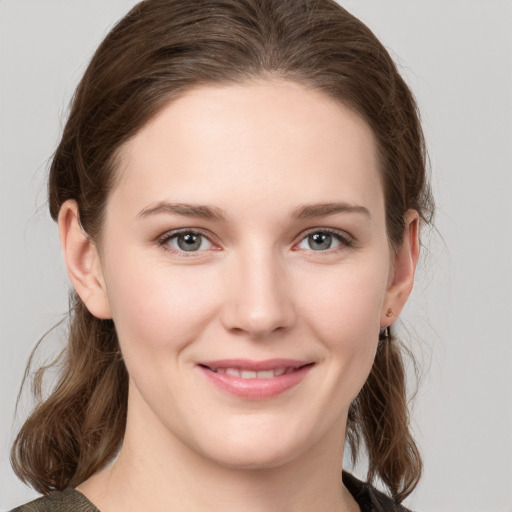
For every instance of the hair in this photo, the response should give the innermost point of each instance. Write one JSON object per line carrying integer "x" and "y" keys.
{"x": 159, "y": 50}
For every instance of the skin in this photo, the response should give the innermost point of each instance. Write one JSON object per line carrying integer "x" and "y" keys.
{"x": 256, "y": 289}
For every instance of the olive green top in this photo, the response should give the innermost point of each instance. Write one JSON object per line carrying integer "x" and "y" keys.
{"x": 70, "y": 500}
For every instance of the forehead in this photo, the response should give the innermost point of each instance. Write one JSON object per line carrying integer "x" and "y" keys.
{"x": 259, "y": 140}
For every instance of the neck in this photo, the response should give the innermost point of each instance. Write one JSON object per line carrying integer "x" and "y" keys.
{"x": 157, "y": 471}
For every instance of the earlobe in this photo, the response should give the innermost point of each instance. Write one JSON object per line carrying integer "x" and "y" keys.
{"x": 404, "y": 267}
{"x": 82, "y": 262}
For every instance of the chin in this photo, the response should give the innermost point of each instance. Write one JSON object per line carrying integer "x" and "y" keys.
{"x": 263, "y": 448}
{"x": 258, "y": 458}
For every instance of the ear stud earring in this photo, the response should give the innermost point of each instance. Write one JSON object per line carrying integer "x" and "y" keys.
{"x": 384, "y": 335}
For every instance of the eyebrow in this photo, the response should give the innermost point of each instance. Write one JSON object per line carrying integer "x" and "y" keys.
{"x": 186, "y": 210}
{"x": 306, "y": 211}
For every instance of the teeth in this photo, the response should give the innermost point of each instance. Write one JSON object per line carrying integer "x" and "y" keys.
{"x": 249, "y": 374}
{"x": 266, "y": 374}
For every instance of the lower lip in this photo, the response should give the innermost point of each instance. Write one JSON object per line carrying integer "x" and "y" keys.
{"x": 256, "y": 389}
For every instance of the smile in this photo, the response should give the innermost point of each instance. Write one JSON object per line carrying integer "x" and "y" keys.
{"x": 250, "y": 374}
{"x": 255, "y": 380}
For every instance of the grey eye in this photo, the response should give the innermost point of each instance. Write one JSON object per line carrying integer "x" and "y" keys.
{"x": 320, "y": 241}
{"x": 189, "y": 242}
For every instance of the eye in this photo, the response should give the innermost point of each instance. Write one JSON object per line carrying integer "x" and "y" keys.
{"x": 323, "y": 240}
{"x": 186, "y": 241}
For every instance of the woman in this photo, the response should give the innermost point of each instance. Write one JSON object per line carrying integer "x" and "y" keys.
{"x": 239, "y": 190}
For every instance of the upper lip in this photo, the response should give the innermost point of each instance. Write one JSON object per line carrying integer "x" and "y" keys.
{"x": 249, "y": 364}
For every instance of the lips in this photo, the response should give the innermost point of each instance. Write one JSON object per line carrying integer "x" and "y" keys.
{"x": 255, "y": 380}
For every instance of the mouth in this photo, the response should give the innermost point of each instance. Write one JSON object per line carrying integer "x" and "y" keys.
{"x": 255, "y": 380}
{"x": 251, "y": 374}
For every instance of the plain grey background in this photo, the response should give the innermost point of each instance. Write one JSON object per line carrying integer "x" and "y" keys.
{"x": 456, "y": 56}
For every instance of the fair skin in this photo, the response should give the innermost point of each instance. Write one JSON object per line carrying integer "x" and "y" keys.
{"x": 260, "y": 270}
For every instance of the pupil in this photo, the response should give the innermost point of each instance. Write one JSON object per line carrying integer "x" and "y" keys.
{"x": 320, "y": 241}
{"x": 189, "y": 242}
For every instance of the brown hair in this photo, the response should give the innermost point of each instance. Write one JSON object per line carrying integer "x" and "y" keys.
{"x": 158, "y": 50}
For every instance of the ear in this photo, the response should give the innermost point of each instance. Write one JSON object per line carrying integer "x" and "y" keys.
{"x": 82, "y": 261}
{"x": 402, "y": 273}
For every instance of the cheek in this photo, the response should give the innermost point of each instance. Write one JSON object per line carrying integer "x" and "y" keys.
{"x": 156, "y": 306}
{"x": 344, "y": 314}
{"x": 345, "y": 303}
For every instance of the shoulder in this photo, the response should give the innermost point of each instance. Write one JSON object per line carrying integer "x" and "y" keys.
{"x": 370, "y": 499}
{"x": 69, "y": 500}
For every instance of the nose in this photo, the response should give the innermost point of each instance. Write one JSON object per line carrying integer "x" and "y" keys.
{"x": 259, "y": 300}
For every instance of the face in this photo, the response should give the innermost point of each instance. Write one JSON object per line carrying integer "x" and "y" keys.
{"x": 245, "y": 263}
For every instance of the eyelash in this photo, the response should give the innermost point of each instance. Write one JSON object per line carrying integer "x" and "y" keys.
{"x": 165, "y": 239}
{"x": 345, "y": 240}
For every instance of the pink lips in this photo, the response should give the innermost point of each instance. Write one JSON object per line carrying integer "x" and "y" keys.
{"x": 255, "y": 380}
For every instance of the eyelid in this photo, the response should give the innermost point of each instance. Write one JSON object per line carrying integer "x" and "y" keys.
{"x": 163, "y": 239}
{"x": 346, "y": 239}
